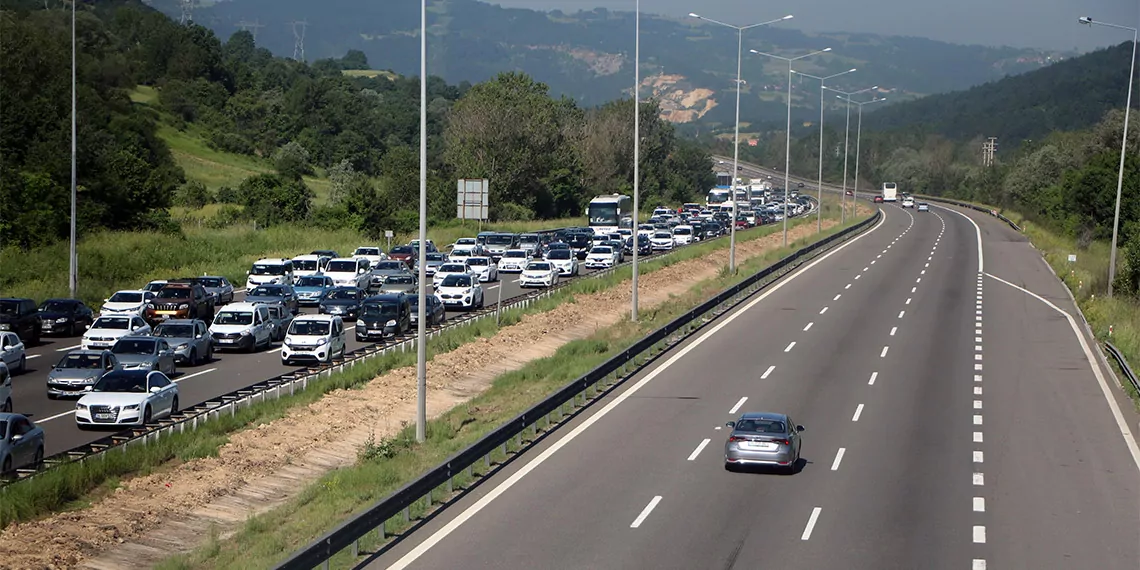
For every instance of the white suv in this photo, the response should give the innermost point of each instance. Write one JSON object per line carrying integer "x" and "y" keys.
{"x": 348, "y": 272}
{"x": 908, "y": 202}
{"x": 314, "y": 338}
{"x": 243, "y": 326}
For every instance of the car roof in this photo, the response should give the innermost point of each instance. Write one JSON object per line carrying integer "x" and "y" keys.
{"x": 244, "y": 306}
{"x": 764, "y": 416}
{"x": 140, "y": 291}
{"x": 271, "y": 260}
{"x": 181, "y": 321}
{"x": 129, "y": 373}
{"x": 386, "y": 297}
{"x": 314, "y": 317}
{"x": 61, "y": 300}
{"x": 80, "y": 351}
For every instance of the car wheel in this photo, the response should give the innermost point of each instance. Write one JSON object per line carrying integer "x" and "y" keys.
{"x": 23, "y": 367}
{"x": 146, "y": 416}
{"x": 193, "y": 359}
{"x": 210, "y": 353}
{"x": 174, "y": 405}
{"x": 7, "y": 465}
{"x": 38, "y": 459}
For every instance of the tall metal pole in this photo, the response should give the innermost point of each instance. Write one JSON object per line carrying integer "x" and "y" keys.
{"x": 735, "y": 156}
{"x": 1120, "y": 174}
{"x": 421, "y": 334}
{"x": 858, "y": 139}
{"x": 73, "y": 260}
{"x": 636, "y": 149}
{"x": 846, "y": 154}
{"x": 819, "y": 198}
{"x": 787, "y": 154}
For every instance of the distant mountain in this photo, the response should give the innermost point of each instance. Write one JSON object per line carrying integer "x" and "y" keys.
{"x": 1069, "y": 95}
{"x": 587, "y": 55}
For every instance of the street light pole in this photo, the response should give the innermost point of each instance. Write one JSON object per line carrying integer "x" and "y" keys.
{"x": 636, "y": 149}
{"x": 859, "y": 139}
{"x": 788, "y": 132}
{"x": 846, "y": 152}
{"x": 1123, "y": 146}
{"x": 819, "y": 199}
{"x": 736, "y": 137}
{"x": 421, "y": 333}
{"x": 73, "y": 259}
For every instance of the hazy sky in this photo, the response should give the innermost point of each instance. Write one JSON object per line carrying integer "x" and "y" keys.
{"x": 1020, "y": 23}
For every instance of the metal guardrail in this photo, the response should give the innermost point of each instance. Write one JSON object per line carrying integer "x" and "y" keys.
{"x": 971, "y": 206}
{"x": 285, "y": 384}
{"x": 1120, "y": 360}
{"x": 550, "y": 412}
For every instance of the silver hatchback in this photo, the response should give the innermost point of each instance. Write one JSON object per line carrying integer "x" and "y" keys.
{"x": 763, "y": 438}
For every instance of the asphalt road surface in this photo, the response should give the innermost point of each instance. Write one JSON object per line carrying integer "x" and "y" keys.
{"x": 953, "y": 421}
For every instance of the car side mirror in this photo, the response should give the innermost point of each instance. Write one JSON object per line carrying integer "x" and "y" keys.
{"x": 87, "y": 327}
{"x": 730, "y": 424}
{"x": 17, "y": 437}
{"x": 88, "y": 388}
{"x": 106, "y": 300}
{"x": 800, "y": 428}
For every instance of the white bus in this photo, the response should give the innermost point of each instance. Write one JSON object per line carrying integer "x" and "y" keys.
{"x": 610, "y": 212}
{"x": 890, "y": 192}
{"x": 717, "y": 196}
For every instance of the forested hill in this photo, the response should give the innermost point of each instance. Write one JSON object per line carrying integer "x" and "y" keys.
{"x": 1068, "y": 95}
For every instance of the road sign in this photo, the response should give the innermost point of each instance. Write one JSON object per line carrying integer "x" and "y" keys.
{"x": 389, "y": 233}
{"x": 473, "y": 199}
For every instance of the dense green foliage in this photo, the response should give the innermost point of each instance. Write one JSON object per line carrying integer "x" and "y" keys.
{"x": 544, "y": 156}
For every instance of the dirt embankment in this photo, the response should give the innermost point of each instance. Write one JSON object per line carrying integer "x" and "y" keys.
{"x": 151, "y": 517}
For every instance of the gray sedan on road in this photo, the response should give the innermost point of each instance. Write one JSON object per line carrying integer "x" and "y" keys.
{"x": 400, "y": 284}
{"x": 381, "y": 271}
{"x": 190, "y": 339}
{"x": 77, "y": 370}
{"x": 219, "y": 288}
{"x": 763, "y": 438}
{"x": 144, "y": 353}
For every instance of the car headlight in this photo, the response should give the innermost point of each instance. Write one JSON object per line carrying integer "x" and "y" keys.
{"x": 183, "y": 306}
{"x": 182, "y": 346}
{"x": 244, "y": 333}
{"x": 81, "y": 406}
{"x": 322, "y": 342}
{"x": 131, "y": 407}
{"x": 63, "y": 320}
{"x": 390, "y": 323}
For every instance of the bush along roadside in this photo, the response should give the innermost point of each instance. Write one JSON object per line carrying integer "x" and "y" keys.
{"x": 75, "y": 484}
{"x": 387, "y": 464}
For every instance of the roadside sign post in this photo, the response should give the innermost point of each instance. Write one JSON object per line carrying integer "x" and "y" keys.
{"x": 472, "y": 199}
{"x": 389, "y": 234}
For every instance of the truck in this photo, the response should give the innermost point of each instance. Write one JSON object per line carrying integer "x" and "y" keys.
{"x": 890, "y": 192}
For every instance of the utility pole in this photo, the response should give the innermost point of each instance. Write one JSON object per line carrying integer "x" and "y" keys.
{"x": 989, "y": 147}
{"x": 73, "y": 257}
{"x": 299, "y": 39}
{"x": 187, "y": 12}
{"x": 251, "y": 27}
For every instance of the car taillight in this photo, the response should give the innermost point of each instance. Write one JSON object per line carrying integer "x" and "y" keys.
{"x": 783, "y": 442}
{"x": 735, "y": 438}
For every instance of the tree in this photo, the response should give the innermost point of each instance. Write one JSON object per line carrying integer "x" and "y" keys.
{"x": 354, "y": 59}
{"x": 292, "y": 161}
{"x": 270, "y": 200}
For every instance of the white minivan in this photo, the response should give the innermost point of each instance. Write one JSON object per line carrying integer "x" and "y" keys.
{"x": 314, "y": 338}
{"x": 348, "y": 272}
{"x": 242, "y": 326}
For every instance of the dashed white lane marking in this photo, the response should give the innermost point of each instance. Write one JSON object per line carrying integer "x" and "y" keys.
{"x": 874, "y": 375}
{"x": 978, "y": 347}
{"x": 977, "y": 378}
{"x": 645, "y": 512}
{"x": 919, "y": 280}
{"x": 873, "y": 261}
{"x": 979, "y": 504}
{"x": 977, "y": 357}
{"x": 978, "y": 367}
{"x": 977, "y": 404}
{"x": 738, "y": 404}
{"x": 883, "y": 354}
{"x": 67, "y": 348}
{"x": 979, "y": 457}
{"x": 847, "y": 287}
{"x": 858, "y": 412}
{"x": 901, "y": 313}
{"x": 867, "y": 268}
{"x": 823, "y": 310}
{"x": 977, "y": 339}
{"x": 907, "y": 301}
{"x": 811, "y": 523}
{"x": 790, "y": 346}
{"x": 858, "y": 276}
{"x": 31, "y": 356}
{"x": 978, "y": 438}
{"x": 767, "y": 372}
{"x": 927, "y": 264}
{"x": 894, "y": 330}
{"x": 697, "y": 451}
{"x": 837, "y": 297}
{"x": 979, "y": 534}
{"x": 979, "y": 479}
{"x": 808, "y": 327}
{"x": 977, "y": 419}
{"x": 979, "y": 319}
{"x": 838, "y": 458}
{"x": 977, "y": 390}
{"x": 978, "y": 564}
{"x": 923, "y": 272}
{"x": 913, "y": 289}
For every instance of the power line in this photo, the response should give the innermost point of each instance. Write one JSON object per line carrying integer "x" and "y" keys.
{"x": 187, "y": 12}
{"x": 989, "y": 149}
{"x": 251, "y": 27}
{"x": 299, "y": 39}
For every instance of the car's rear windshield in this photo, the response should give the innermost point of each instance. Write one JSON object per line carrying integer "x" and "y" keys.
{"x": 559, "y": 254}
{"x": 457, "y": 281}
{"x": 761, "y": 426}
{"x": 120, "y": 297}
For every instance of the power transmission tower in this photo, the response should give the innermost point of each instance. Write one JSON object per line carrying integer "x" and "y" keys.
{"x": 989, "y": 148}
{"x": 187, "y": 12}
{"x": 251, "y": 28}
{"x": 299, "y": 39}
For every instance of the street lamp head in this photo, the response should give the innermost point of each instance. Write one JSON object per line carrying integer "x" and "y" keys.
{"x": 755, "y": 52}
{"x": 788, "y": 17}
{"x": 1085, "y": 20}
{"x": 825, "y": 49}
{"x": 694, "y": 15}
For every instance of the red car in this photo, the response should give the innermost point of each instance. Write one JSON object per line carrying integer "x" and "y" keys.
{"x": 405, "y": 253}
{"x": 878, "y": 199}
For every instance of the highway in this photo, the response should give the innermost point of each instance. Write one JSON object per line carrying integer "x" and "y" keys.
{"x": 953, "y": 421}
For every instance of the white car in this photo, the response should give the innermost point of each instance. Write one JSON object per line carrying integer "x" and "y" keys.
{"x": 683, "y": 235}
{"x": 602, "y": 257}
{"x": 908, "y": 202}
{"x": 373, "y": 254}
{"x": 306, "y": 265}
{"x": 461, "y": 291}
{"x": 539, "y": 274}
{"x": 242, "y": 326}
{"x": 107, "y": 329}
{"x": 923, "y": 207}
{"x": 270, "y": 271}
{"x": 564, "y": 260}
{"x": 662, "y": 240}
{"x": 484, "y": 268}
{"x": 514, "y": 260}
{"x": 449, "y": 268}
{"x": 126, "y": 398}
{"x": 467, "y": 242}
{"x": 12, "y": 353}
{"x": 349, "y": 272}
{"x": 130, "y": 302}
{"x": 461, "y": 253}
{"x": 314, "y": 338}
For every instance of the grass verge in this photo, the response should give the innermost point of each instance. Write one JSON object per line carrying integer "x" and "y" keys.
{"x": 386, "y": 465}
{"x": 74, "y": 484}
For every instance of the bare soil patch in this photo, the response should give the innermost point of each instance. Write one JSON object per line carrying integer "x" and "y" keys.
{"x": 149, "y": 518}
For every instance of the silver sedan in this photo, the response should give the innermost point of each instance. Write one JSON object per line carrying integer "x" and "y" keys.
{"x": 763, "y": 438}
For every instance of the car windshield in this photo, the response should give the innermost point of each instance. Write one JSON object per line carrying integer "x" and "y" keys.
{"x": 174, "y": 331}
{"x": 313, "y": 281}
{"x": 116, "y": 323}
{"x": 453, "y": 268}
{"x": 303, "y": 265}
{"x": 683, "y": 231}
{"x": 233, "y": 318}
{"x": 435, "y": 257}
{"x": 267, "y": 291}
{"x": 559, "y": 254}
{"x": 264, "y": 269}
{"x": 211, "y": 281}
{"x": 400, "y": 280}
{"x": 579, "y": 240}
{"x": 120, "y": 297}
{"x": 761, "y": 426}
{"x": 500, "y": 239}
{"x": 528, "y": 239}
{"x": 402, "y": 249}
{"x": 366, "y": 251}
{"x": 479, "y": 261}
{"x": 379, "y": 309}
{"x": 135, "y": 383}
{"x": 538, "y": 267}
{"x": 341, "y": 267}
{"x": 81, "y": 362}
{"x": 174, "y": 293}
{"x": 343, "y": 294}
{"x": 602, "y": 249}
{"x": 309, "y": 328}
{"x": 515, "y": 254}
{"x": 465, "y": 241}
{"x": 56, "y": 307}
{"x": 390, "y": 266}
{"x": 662, "y": 235}
{"x": 134, "y": 346}
{"x": 457, "y": 281}
{"x": 461, "y": 253}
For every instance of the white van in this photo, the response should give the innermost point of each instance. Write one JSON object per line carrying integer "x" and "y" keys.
{"x": 682, "y": 235}
{"x": 348, "y": 272}
{"x": 314, "y": 338}
{"x": 270, "y": 272}
{"x": 242, "y": 326}
{"x": 312, "y": 264}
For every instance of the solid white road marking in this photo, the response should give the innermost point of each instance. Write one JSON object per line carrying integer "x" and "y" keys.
{"x": 767, "y": 372}
{"x": 697, "y": 451}
{"x": 57, "y": 416}
{"x": 738, "y": 404}
{"x": 978, "y": 420}
{"x": 979, "y": 534}
{"x": 894, "y": 330}
{"x": 874, "y": 375}
{"x": 977, "y": 232}
{"x": 978, "y": 564}
{"x": 645, "y": 512}
{"x": 858, "y": 412}
{"x": 823, "y": 310}
{"x": 978, "y": 437}
{"x": 979, "y": 457}
{"x": 837, "y": 297}
{"x": 1121, "y": 423}
{"x": 901, "y": 313}
{"x": 808, "y": 327}
{"x": 838, "y": 458}
{"x": 979, "y": 504}
{"x": 979, "y": 479}
{"x": 790, "y": 345}
{"x": 883, "y": 354}
{"x": 811, "y": 523}
{"x": 68, "y": 348}
{"x": 533, "y": 464}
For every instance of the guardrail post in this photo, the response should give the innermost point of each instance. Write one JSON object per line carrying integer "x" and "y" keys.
{"x": 407, "y": 514}
{"x": 355, "y": 548}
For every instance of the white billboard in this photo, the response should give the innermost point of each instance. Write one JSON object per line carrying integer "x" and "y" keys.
{"x": 473, "y": 199}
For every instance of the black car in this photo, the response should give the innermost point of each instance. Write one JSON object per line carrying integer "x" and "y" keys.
{"x": 22, "y": 317}
{"x": 435, "y": 311}
{"x": 644, "y": 245}
{"x": 67, "y": 317}
{"x": 343, "y": 302}
{"x": 581, "y": 244}
{"x": 384, "y": 315}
